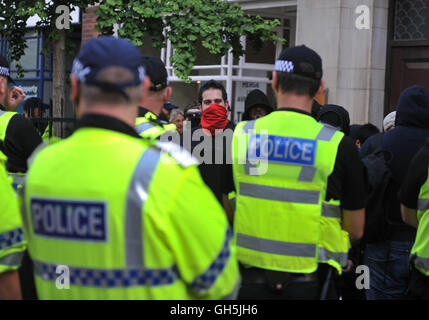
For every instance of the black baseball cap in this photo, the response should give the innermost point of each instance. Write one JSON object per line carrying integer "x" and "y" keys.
{"x": 170, "y": 106}
{"x": 106, "y": 51}
{"x": 5, "y": 69}
{"x": 155, "y": 70}
{"x": 300, "y": 60}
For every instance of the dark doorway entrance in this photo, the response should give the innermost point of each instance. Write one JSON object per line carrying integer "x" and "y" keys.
{"x": 408, "y": 56}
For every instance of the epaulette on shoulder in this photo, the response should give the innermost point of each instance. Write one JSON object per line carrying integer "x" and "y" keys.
{"x": 182, "y": 157}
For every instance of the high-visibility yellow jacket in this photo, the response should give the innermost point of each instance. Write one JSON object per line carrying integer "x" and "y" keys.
{"x": 148, "y": 127}
{"x": 281, "y": 167}
{"x": 12, "y": 242}
{"x": 128, "y": 219}
{"x": 420, "y": 249}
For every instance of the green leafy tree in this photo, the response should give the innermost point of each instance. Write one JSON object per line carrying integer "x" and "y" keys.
{"x": 217, "y": 23}
{"x": 13, "y": 17}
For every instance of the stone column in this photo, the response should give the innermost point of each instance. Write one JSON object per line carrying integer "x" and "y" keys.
{"x": 354, "y": 59}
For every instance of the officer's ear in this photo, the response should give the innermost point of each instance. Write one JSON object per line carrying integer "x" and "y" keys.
{"x": 167, "y": 94}
{"x": 321, "y": 89}
{"x": 3, "y": 87}
{"x": 145, "y": 90}
{"x": 274, "y": 82}
{"x": 74, "y": 93}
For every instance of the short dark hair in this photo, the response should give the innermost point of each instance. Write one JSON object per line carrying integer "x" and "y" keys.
{"x": 293, "y": 83}
{"x": 366, "y": 131}
{"x": 212, "y": 84}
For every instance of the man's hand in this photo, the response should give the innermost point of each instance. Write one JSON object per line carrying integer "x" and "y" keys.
{"x": 15, "y": 96}
{"x": 349, "y": 266}
{"x": 9, "y": 286}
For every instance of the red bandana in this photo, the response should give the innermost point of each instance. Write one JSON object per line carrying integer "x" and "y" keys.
{"x": 214, "y": 118}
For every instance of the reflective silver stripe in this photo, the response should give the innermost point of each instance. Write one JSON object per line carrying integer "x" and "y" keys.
{"x": 340, "y": 257}
{"x": 18, "y": 179}
{"x": 326, "y": 133}
{"x": 423, "y": 204}
{"x": 279, "y": 194}
{"x": 23, "y": 204}
{"x": 108, "y": 278}
{"x": 276, "y": 247}
{"x": 12, "y": 260}
{"x": 144, "y": 126}
{"x": 2, "y": 112}
{"x": 307, "y": 174}
{"x": 422, "y": 263}
{"x": 248, "y": 126}
{"x": 136, "y": 197}
{"x": 330, "y": 210}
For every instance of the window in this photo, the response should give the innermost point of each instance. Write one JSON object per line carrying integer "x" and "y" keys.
{"x": 411, "y": 20}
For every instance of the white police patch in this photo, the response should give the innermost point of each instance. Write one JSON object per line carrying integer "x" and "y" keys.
{"x": 278, "y": 149}
{"x": 69, "y": 219}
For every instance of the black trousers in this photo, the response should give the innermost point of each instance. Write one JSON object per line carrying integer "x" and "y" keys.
{"x": 26, "y": 278}
{"x": 418, "y": 288}
{"x": 259, "y": 284}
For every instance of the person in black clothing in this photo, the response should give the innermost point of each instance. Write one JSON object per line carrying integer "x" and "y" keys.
{"x": 213, "y": 141}
{"x": 336, "y": 116}
{"x": 34, "y": 109}
{"x": 388, "y": 259}
{"x": 20, "y": 138}
{"x": 256, "y": 105}
{"x": 364, "y": 132}
{"x": 417, "y": 175}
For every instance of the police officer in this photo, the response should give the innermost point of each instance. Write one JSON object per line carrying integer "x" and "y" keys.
{"x": 18, "y": 137}
{"x": 414, "y": 197}
{"x": 35, "y": 110}
{"x": 300, "y": 191}
{"x": 12, "y": 243}
{"x": 95, "y": 203}
{"x": 148, "y": 123}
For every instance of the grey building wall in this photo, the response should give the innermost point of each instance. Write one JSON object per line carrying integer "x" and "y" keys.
{"x": 354, "y": 60}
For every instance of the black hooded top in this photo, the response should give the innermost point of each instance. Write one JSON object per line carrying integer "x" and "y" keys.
{"x": 404, "y": 141}
{"x": 254, "y": 98}
{"x": 336, "y": 116}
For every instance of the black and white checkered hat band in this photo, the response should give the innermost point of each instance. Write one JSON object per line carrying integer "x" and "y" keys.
{"x": 284, "y": 66}
{"x": 4, "y": 71}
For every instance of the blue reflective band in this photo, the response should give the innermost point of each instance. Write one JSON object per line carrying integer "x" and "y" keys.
{"x": 208, "y": 278}
{"x": 282, "y": 149}
{"x": 10, "y": 238}
{"x": 109, "y": 278}
{"x": 68, "y": 219}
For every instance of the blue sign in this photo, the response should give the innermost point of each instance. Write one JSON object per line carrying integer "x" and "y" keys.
{"x": 30, "y": 88}
{"x": 68, "y": 219}
{"x": 278, "y": 149}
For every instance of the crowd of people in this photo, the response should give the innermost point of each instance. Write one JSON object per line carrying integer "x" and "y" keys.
{"x": 146, "y": 201}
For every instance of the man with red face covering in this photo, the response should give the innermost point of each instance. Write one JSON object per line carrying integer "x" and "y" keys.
{"x": 211, "y": 141}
